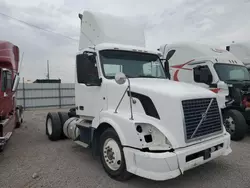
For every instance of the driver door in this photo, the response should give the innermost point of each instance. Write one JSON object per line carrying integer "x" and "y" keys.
{"x": 6, "y": 92}
{"x": 89, "y": 95}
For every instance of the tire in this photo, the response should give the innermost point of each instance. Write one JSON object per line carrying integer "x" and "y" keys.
{"x": 63, "y": 118}
{"x": 120, "y": 173}
{"x": 53, "y": 126}
{"x": 1, "y": 148}
{"x": 235, "y": 117}
{"x": 18, "y": 120}
{"x": 19, "y": 116}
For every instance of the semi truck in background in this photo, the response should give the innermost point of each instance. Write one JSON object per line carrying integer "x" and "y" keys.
{"x": 11, "y": 115}
{"x": 217, "y": 70}
{"x": 137, "y": 121}
{"x": 242, "y": 51}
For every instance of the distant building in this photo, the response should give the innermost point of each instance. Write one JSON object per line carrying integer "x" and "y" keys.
{"x": 52, "y": 81}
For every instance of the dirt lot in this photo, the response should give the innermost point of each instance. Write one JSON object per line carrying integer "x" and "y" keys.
{"x": 64, "y": 164}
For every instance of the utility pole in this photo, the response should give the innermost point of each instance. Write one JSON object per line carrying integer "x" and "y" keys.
{"x": 48, "y": 69}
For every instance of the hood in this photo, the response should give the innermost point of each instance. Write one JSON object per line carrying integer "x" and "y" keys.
{"x": 169, "y": 88}
{"x": 240, "y": 84}
{"x": 161, "y": 102}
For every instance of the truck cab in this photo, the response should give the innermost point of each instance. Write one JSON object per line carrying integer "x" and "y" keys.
{"x": 128, "y": 111}
{"x": 217, "y": 70}
{"x": 10, "y": 113}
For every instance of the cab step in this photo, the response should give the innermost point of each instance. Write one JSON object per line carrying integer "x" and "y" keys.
{"x": 82, "y": 144}
{"x": 5, "y": 138}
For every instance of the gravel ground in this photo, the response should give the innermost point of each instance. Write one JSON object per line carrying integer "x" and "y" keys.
{"x": 65, "y": 164}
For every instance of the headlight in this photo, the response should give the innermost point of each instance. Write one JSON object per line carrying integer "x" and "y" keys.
{"x": 151, "y": 137}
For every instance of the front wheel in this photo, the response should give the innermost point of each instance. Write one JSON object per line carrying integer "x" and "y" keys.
{"x": 112, "y": 156}
{"x": 1, "y": 148}
{"x": 235, "y": 124}
{"x": 19, "y": 117}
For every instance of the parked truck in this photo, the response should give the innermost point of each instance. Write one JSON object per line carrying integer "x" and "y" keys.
{"x": 11, "y": 114}
{"x": 242, "y": 51}
{"x": 219, "y": 71}
{"x": 136, "y": 121}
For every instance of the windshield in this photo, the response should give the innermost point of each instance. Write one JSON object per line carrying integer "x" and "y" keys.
{"x": 227, "y": 72}
{"x": 132, "y": 64}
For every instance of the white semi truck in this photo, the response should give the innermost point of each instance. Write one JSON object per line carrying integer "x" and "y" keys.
{"x": 137, "y": 121}
{"x": 217, "y": 70}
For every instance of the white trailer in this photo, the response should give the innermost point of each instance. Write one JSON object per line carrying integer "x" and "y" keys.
{"x": 130, "y": 114}
{"x": 217, "y": 70}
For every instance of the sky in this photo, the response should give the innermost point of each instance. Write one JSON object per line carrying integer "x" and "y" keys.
{"x": 166, "y": 21}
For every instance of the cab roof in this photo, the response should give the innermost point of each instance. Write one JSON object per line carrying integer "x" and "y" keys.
{"x": 201, "y": 51}
{"x": 97, "y": 28}
{"x": 9, "y": 55}
{"x": 106, "y": 46}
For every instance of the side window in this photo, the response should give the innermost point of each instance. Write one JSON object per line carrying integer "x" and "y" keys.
{"x": 147, "y": 68}
{"x": 86, "y": 69}
{"x": 112, "y": 69}
{"x": 202, "y": 74}
{"x": 151, "y": 69}
{"x": 9, "y": 80}
{"x": 237, "y": 74}
{"x": 4, "y": 80}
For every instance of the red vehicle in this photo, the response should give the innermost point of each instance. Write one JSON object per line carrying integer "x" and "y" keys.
{"x": 10, "y": 113}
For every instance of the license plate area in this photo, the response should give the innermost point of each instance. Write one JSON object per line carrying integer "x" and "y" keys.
{"x": 206, "y": 154}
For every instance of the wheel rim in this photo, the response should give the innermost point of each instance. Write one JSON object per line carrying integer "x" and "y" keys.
{"x": 229, "y": 125}
{"x": 49, "y": 126}
{"x": 112, "y": 154}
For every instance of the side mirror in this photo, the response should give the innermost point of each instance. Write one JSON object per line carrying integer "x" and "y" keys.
{"x": 167, "y": 69}
{"x": 120, "y": 78}
{"x": 15, "y": 83}
{"x": 202, "y": 74}
{"x": 4, "y": 81}
{"x": 166, "y": 64}
{"x": 86, "y": 70}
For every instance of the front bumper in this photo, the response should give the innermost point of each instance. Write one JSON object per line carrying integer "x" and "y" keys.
{"x": 168, "y": 165}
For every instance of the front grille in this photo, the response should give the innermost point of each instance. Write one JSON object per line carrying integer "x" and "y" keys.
{"x": 193, "y": 110}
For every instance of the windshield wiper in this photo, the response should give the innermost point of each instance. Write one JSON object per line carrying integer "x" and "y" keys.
{"x": 147, "y": 76}
{"x": 129, "y": 76}
{"x": 237, "y": 80}
{"x": 233, "y": 80}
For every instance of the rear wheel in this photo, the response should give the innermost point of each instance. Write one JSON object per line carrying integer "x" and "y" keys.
{"x": 53, "y": 126}
{"x": 112, "y": 156}
{"x": 235, "y": 124}
{"x": 63, "y": 118}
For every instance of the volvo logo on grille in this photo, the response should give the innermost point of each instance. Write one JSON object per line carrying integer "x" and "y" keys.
{"x": 203, "y": 117}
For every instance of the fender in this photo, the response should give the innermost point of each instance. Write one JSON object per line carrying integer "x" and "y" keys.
{"x": 122, "y": 125}
{"x": 126, "y": 129}
{"x": 156, "y": 123}
{"x": 115, "y": 126}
